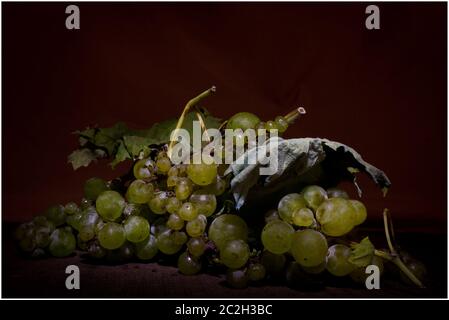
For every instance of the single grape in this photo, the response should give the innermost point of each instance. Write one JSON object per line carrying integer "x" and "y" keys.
{"x": 197, "y": 226}
{"x": 314, "y": 196}
{"x": 196, "y": 247}
{"x": 95, "y": 250}
{"x": 21, "y": 230}
{"x": 237, "y": 278}
{"x": 42, "y": 237}
{"x": 202, "y": 174}
{"x": 336, "y": 217}
{"x": 183, "y": 188}
{"x": 415, "y": 267}
{"x": 273, "y": 263}
{"x": 188, "y": 212}
{"x": 139, "y": 192}
{"x": 175, "y": 222}
{"x": 173, "y": 171}
{"x": 94, "y": 187}
{"x": 85, "y": 203}
{"x": 62, "y": 243}
{"x": 87, "y": 225}
{"x": 234, "y": 254}
{"x": 146, "y": 249}
{"x": 289, "y": 204}
{"x": 271, "y": 125}
{"x": 337, "y": 193}
{"x": 227, "y": 227}
{"x": 28, "y": 244}
{"x": 173, "y": 205}
{"x": 309, "y": 247}
{"x": 188, "y": 264}
{"x": 277, "y": 236}
{"x": 281, "y": 123}
{"x": 337, "y": 260}
{"x": 71, "y": 208}
{"x": 179, "y": 237}
{"x": 360, "y": 212}
{"x": 171, "y": 181}
{"x": 137, "y": 229}
{"x": 167, "y": 244}
{"x": 216, "y": 188}
{"x": 56, "y": 215}
{"x": 163, "y": 164}
{"x": 112, "y": 236}
{"x": 204, "y": 203}
{"x": 256, "y": 272}
{"x": 144, "y": 169}
{"x": 74, "y": 220}
{"x": 243, "y": 120}
{"x": 303, "y": 217}
{"x": 158, "y": 203}
{"x": 110, "y": 205}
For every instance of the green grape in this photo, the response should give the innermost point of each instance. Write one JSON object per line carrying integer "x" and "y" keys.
{"x": 281, "y": 123}
{"x": 204, "y": 203}
{"x": 234, "y": 254}
{"x": 146, "y": 249}
{"x": 227, "y": 227}
{"x": 289, "y": 204}
{"x": 256, "y": 272}
{"x": 242, "y": 120}
{"x": 196, "y": 247}
{"x": 336, "y": 217}
{"x": 271, "y": 125}
{"x": 62, "y": 243}
{"x": 112, "y": 236}
{"x": 86, "y": 203}
{"x": 173, "y": 171}
{"x": 188, "y": 264}
{"x": 315, "y": 269}
{"x": 314, "y": 196}
{"x": 74, "y": 220}
{"x": 237, "y": 278}
{"x": 179, "y": 237}
{"x": 303, "y": 217}
{"x": 173, "y": 205}
{"x": 171, "y": 181}
{"x": 95, "y": 250}
{"x": 273, "y": 263}
{"x": 202, "y": 174}
{"x": 87, "y": 225}
{"x": 42, "y": 237}
{"x": 337, "y": 260}
{"x": 197, "y": 226}
{"x": 216, "y": 188}
{"x": 43, "y": 222}
{"x": 163, "y": 164}
{"x": 415, "y": 267}
{"x": 158, "y": 203}
{"x": 183, "y": 188}
{"x": 21, "y": 230}
{"x": 110, "y": 205}
{"x": 359, "y": 275}
{"x": 360, "y": 212}
{"x": 175, "y": 222}
{"x": 56, "y": 215}
{"x": 71, "y": 208}
{"x": 271, "y": 215}
{"x": 126, "y": 251}
{"x": 137, "y": 229}
{"x": 187, "y": 212}
{"x": 139, "y": 192}
{"x": 144, "y": 169}
{"x": 277, "y": 236}
{"x": 167, "y": 242}
{"x": 28, "y": 243}
{"x": 337, "y": 193}
{"x": 309, "y": 247}
{"x": 94, "y": 187}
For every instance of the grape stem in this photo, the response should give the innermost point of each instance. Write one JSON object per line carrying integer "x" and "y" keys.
{"x": 393, "y": 255}
{"x": 295, "y": 114}
{"x": 192, "y": 103}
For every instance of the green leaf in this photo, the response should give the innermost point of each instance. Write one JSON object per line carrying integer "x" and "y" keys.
{"x": 301, "y": 162}
{"x": 121, "y": 155}
{"x": 362, "y": 253}
{"x": 81, "y": 158}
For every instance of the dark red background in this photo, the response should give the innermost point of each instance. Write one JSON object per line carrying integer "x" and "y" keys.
{"x": 382, "y": 92}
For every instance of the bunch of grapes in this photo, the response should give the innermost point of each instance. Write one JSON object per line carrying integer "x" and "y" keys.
{"x": 178, "y": 210}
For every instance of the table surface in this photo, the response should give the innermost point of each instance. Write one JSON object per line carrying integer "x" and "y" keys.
{"x": 23, "y": 277}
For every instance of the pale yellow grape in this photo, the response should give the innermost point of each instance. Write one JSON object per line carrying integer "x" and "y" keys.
{"x": 360, "y": 211}
{"x": 309, "y": 248}
{"x": 336, "y": 217}
{"x": 303, "y": 217}
{"x": 289, "y": 204}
